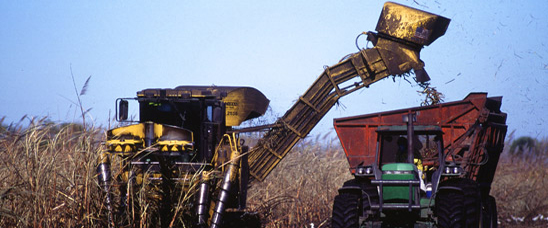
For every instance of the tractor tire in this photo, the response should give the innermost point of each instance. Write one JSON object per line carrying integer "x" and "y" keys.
{"x": 370, "y": 193}
{"x": 489, "y": 215}
{"x": 349, "y": 206}
{"x": 458, "y": 204}
{"x": 345, "y": 211}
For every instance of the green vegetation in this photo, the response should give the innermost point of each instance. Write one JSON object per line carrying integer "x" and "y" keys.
{"x": 48, "y": 179}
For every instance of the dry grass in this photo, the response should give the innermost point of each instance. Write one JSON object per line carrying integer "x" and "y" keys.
{"x": 47, "y": 176}
{"x": 520, "y": 186}
{"x": 48, "y": 179}
{"x": 301, "y": 189}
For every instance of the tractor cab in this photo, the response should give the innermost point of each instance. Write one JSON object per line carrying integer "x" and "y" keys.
{"x": 406, "y": 158}
{"x": 401, "y": 157}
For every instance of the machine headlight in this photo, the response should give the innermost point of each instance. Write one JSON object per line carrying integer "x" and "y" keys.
{"x": 189, "y": 146}
{"x": 368, "y": 170}
{"x": 452, "y": 170}
{"x": 361, "y": 170}
{"x": 364, "y": 171}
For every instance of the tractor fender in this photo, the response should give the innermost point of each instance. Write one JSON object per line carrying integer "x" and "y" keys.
{"x": 453, "y": 188}
{"x": 350, "y": 190}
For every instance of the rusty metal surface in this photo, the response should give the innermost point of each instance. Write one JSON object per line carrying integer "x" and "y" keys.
{"x": 474, "y": 130}
{"x": 410, "y": 24}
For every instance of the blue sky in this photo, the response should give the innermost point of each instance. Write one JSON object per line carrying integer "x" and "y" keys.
{"x": 278, "y": 47}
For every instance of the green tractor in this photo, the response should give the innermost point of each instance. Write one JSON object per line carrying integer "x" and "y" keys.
{"x": 429, "y": 166}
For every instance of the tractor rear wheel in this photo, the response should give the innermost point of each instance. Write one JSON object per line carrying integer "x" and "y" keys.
{"x": 458, "y": 204}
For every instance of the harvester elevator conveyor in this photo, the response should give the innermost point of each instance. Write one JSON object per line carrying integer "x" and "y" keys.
{"x": 366, "y": 66}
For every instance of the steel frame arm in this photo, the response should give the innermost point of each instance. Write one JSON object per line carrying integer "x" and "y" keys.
{"x": 387, "y": 57}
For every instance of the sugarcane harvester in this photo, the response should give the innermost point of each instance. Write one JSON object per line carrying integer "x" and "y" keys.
{"x": 181, "y": 143}
{"x": 193, "y": 131}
